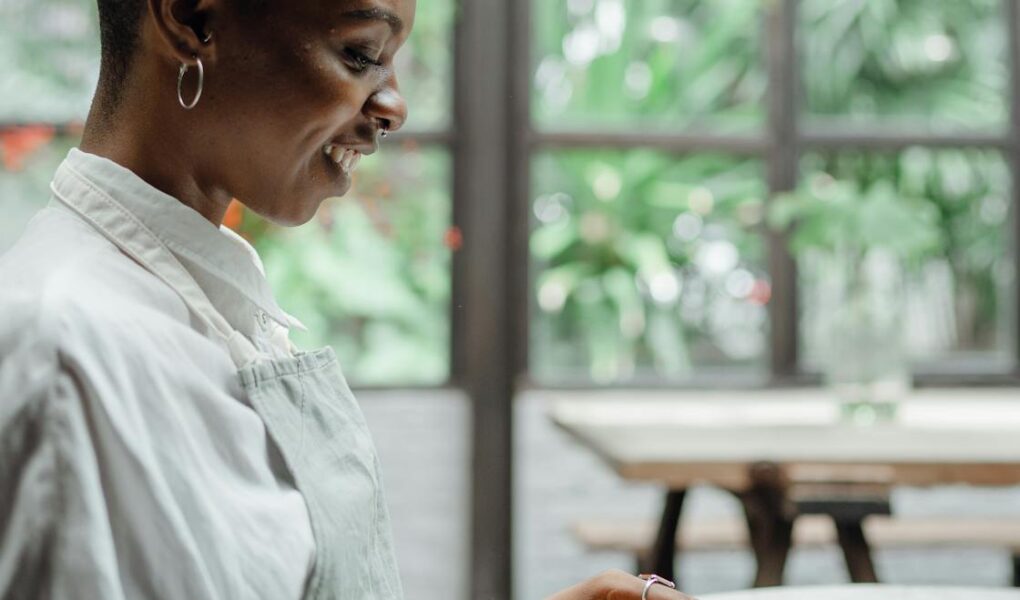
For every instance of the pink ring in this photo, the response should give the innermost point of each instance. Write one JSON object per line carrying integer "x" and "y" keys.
{"x": 655, "y": 579}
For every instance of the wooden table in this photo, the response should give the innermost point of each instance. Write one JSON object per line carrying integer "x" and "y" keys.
{"x": 754, "y": 443}
{"x": 869, "y": 592}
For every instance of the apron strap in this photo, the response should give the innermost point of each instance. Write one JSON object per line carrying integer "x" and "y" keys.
{"x": 131, "y": 236}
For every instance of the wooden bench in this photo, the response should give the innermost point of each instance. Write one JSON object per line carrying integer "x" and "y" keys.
{"x": 809, "y": 531}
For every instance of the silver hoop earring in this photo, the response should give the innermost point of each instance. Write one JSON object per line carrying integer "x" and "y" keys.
{"x": 201, "y": 84}
{"x": 384, "y": 132}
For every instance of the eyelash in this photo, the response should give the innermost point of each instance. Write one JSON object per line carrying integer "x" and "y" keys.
{"x": 361, "y": 63}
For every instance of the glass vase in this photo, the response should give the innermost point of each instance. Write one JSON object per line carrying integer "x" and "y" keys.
{"x": 865, "y": 364}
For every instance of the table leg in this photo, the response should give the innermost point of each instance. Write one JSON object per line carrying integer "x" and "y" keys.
{"x": 770, "y": 528}
{"x": 771, "y": 537}
{"x": 856, "y": 552}
{"x": 663, "y": 553}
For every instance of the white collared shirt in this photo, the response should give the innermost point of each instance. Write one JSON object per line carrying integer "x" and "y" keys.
{"x": 131, "y": 464}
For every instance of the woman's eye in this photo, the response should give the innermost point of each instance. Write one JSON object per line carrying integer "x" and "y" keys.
{"x": 359, "y": 61}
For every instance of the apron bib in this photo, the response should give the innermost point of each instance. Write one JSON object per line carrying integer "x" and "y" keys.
{"x": 309, "y": 412}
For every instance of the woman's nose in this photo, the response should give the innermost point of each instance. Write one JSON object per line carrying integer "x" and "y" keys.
{"x": 387, "y": 107}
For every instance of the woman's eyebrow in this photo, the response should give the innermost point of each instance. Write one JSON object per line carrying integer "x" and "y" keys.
{"x": 376, "y": 14}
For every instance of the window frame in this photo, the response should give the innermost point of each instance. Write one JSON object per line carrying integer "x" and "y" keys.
{"x": 786, "y": 137}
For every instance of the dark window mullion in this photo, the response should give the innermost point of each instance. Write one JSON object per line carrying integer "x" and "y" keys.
{"x": 838, "y": 137}
{"x": 782, "y": 67}
{"x": 1012, "y": 12}
{"x": 483, "y": 362}
{"x": 681, "y": 143}
{"x": 831, "y": 137}
{"x": 519, "y": 155}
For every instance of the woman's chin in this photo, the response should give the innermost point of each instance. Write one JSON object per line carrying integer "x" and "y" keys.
{"x": 304, "y": 200}
{"x": 339, "y": 188}
{"x": 296, "y": 214}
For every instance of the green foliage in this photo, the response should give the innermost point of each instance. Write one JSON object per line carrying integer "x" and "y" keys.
{"x": 838, "y": 217}
{"x": 425, "y": 65}
{"x": 921, "y": 63}
{"x": 49, "y": 59}
{"x": 938, "y": 210}
{"x": 678, "y": 62}
{"x": 646, "y": 260}
{"x": 938, "y": 63}
{"x": 370, "y": 276}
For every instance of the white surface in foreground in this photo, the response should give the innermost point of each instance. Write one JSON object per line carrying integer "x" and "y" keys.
{"x": 870, "y": 592}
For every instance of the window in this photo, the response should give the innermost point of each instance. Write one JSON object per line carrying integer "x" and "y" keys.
{"x": 634, "y": 104}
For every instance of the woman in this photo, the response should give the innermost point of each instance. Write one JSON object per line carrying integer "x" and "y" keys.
{"x": 159, "y": 435}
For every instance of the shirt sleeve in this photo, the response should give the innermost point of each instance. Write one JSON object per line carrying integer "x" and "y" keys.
{"x": 55, "y": 539}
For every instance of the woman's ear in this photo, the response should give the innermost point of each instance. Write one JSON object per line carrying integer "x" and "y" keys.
{"x": 185, "y": 27}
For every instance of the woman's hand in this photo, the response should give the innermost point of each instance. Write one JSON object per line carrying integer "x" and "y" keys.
{"x": 616, "y": 585}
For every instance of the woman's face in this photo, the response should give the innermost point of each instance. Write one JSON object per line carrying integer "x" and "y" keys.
{"x": 298, "y": 90}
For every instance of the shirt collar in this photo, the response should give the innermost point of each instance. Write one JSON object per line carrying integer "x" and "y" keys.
{"x": 217, "y": 257}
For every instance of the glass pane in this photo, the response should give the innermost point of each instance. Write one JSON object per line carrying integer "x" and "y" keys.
{"x": 370, "y": 275}
{"x": 676, "y": 63}
{"x": 646, "y": 265}
{"x": 959, "y": 294}
{"x": 939, "y": 64}
{"x": 49, "y": 59}
{"x": 29, "y": 157}
{"x": 425, "y": 66}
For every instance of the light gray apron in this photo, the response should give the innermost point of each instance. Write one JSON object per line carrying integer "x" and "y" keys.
{"x": 310, "y": 414}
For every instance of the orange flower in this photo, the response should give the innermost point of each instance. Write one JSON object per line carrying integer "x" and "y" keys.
{"x": 453, "y": 238}
{"x": 761, "y": 293}
{"x": 234, "y": 216}
{"x": 18, "y": 144}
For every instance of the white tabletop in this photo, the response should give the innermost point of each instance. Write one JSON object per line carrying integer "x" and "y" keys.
{"x": 869, "y": 592}
{"x": 679, "y": 438}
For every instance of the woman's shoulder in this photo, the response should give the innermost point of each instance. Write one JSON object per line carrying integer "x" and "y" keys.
{"x": 64, "y": 280}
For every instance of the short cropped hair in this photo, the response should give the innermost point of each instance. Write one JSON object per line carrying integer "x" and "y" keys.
{"x": 119, "y": 22}
{"x": 119, "y": 26}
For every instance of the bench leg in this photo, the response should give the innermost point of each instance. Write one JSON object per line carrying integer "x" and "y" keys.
{"x": 1016, "y": 568}
{"x": 856, "y": 552}
{"x": 663, "y": 553}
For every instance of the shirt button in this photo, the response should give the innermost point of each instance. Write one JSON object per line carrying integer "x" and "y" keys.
{"x": 262, "y": 319}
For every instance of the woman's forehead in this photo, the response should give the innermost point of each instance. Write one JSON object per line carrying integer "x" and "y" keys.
{"x": 397, "y": 14}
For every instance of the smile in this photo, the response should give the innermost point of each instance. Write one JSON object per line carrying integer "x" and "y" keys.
{"x": 345, "y": 158}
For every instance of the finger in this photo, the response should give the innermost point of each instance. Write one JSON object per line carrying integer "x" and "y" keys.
{"x": 659, "y": 592}
{"x": 662, "y": 592}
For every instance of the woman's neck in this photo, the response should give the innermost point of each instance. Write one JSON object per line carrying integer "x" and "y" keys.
{"x": 157, "y": 151}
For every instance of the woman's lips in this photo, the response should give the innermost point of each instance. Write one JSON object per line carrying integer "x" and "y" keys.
{"x": 345, "y": 158}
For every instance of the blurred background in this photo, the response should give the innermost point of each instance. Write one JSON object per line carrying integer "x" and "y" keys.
{"x": 664, "y": 196}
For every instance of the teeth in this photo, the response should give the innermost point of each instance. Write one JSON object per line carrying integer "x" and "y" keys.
{"x": 345, "y": 158}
